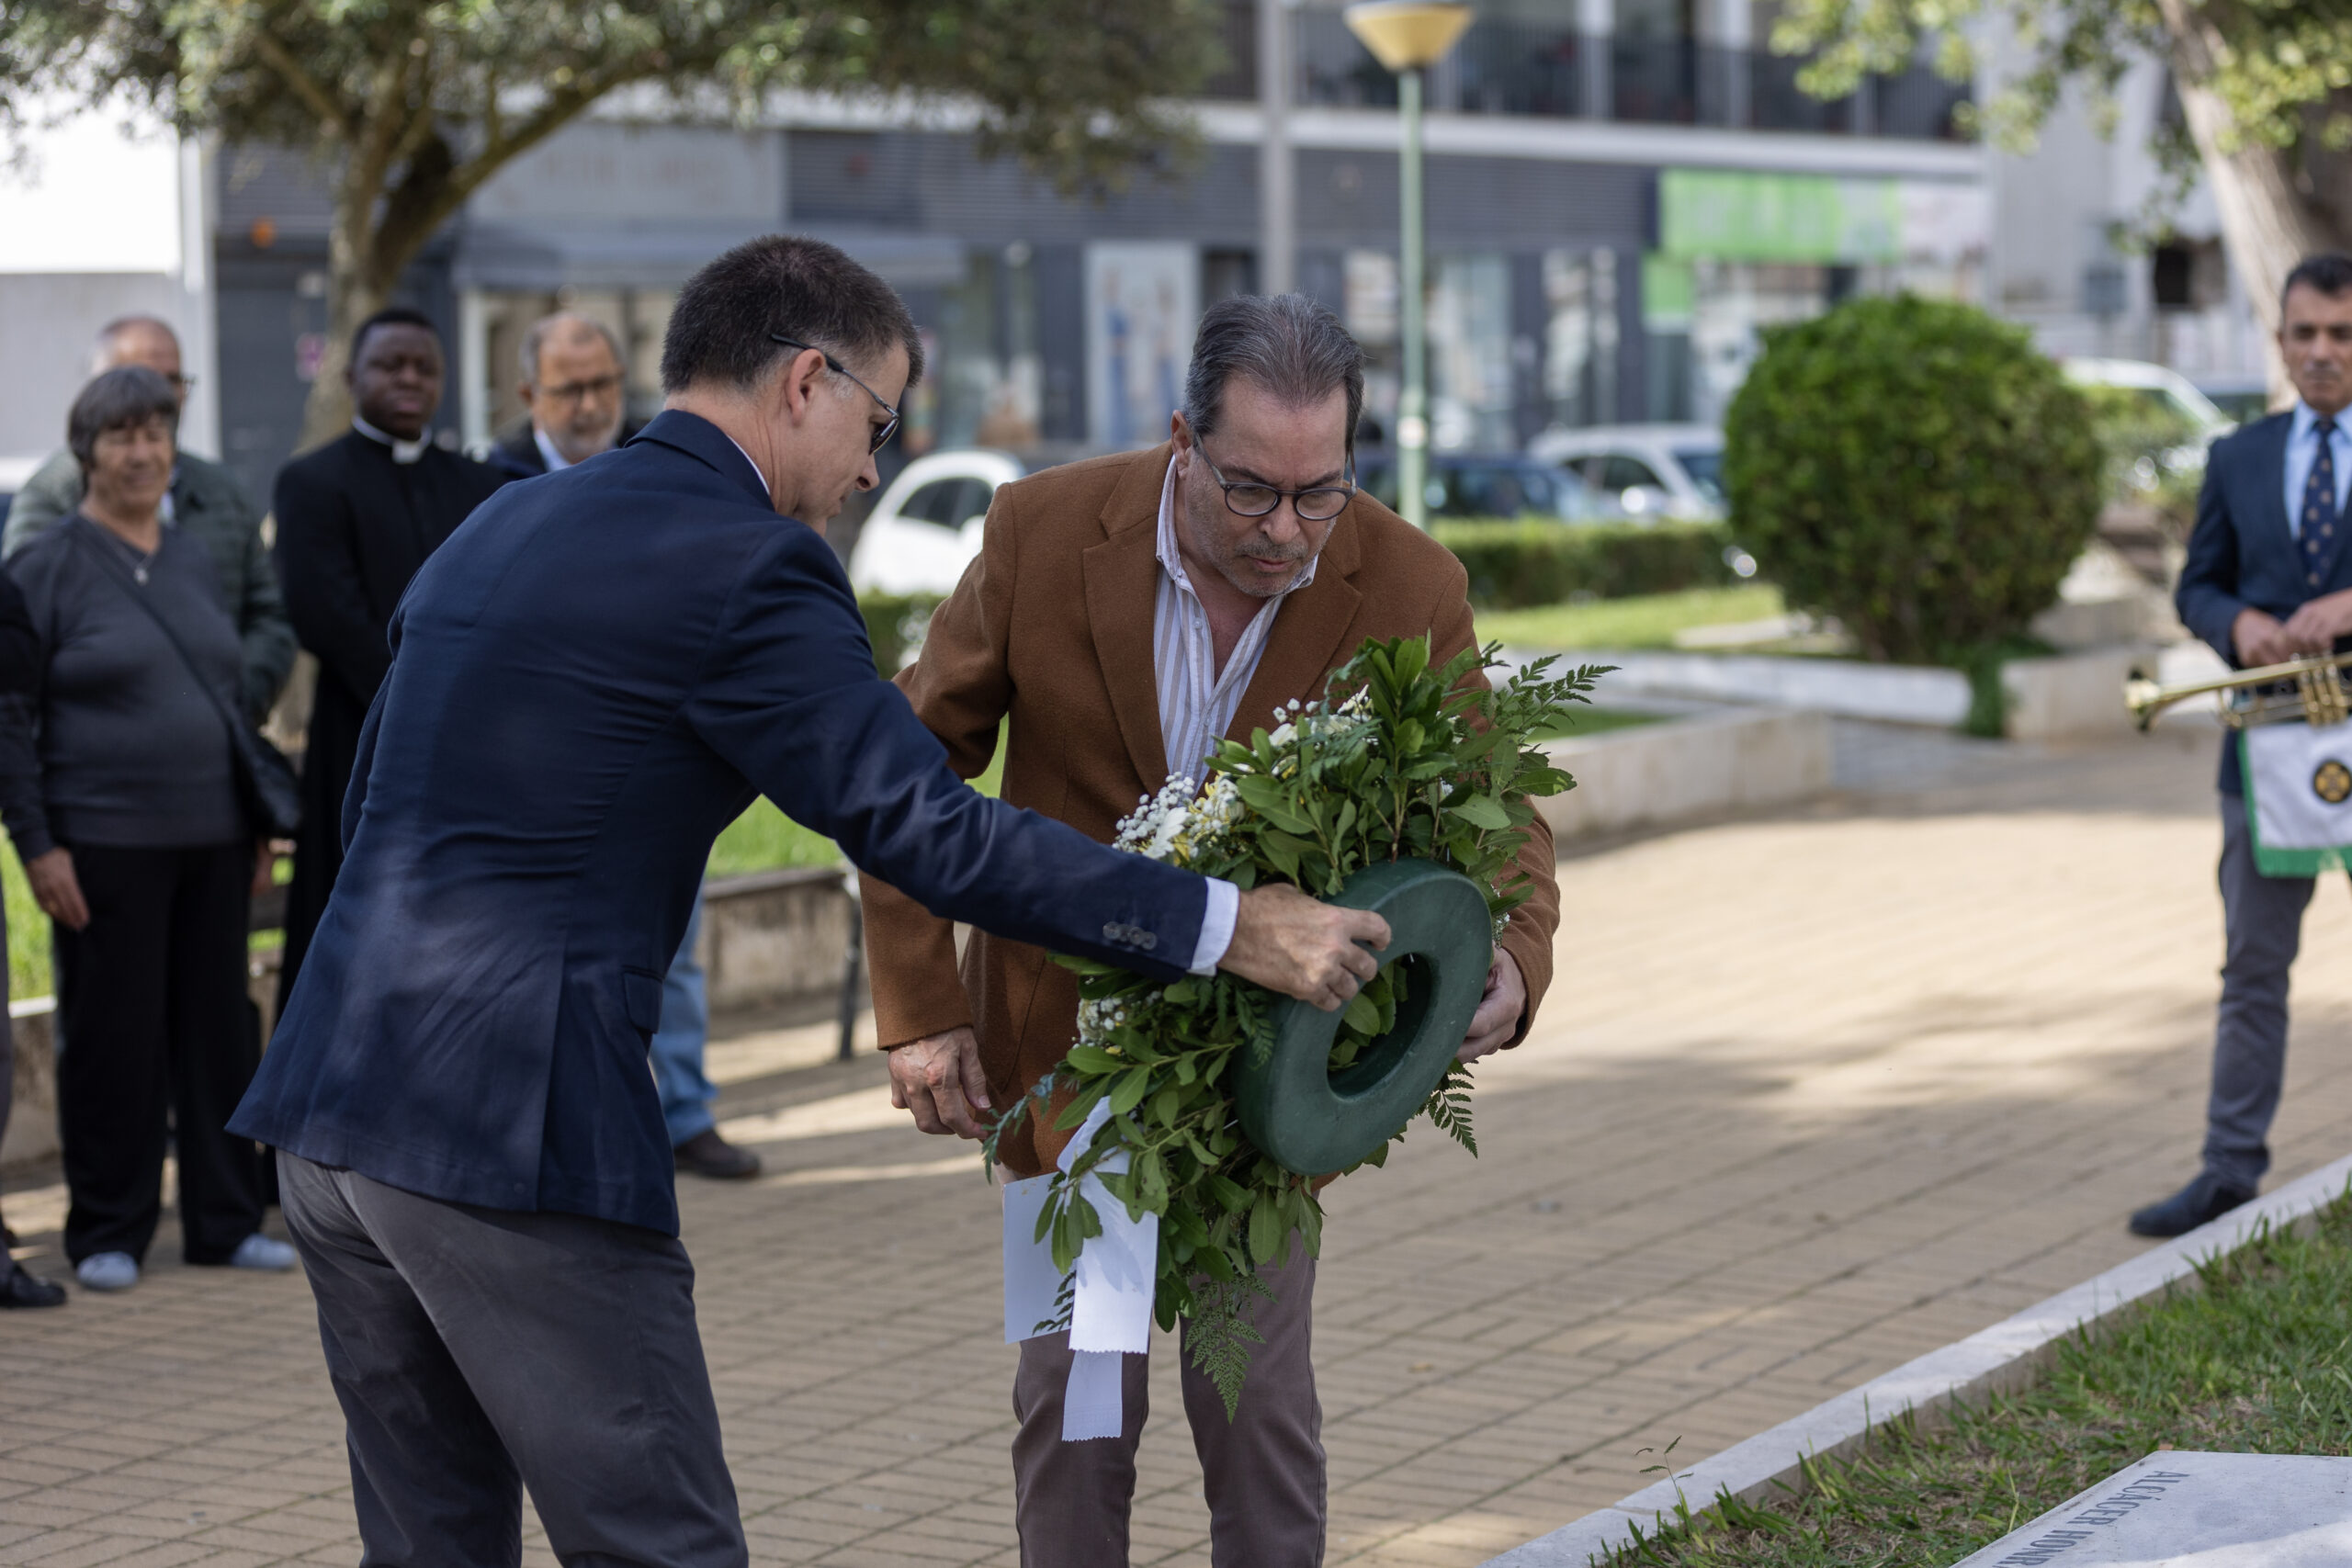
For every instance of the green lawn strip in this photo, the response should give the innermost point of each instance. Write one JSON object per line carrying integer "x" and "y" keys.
{"x": 2255, "y": 1356}
{"x": 1648, "y": 621}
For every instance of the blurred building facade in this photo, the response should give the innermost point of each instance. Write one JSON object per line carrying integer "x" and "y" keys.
{"x": 1621, "y": 193}
{"x": 2106, "y": 255}
{"x": 106, "y": 214}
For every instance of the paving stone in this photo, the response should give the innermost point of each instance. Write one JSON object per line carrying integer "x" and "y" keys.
{"x": 2195, "y": 1510}
{"x": 1810, "y": 1095}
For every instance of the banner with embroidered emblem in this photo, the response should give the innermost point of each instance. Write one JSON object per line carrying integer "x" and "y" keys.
{"x": 2299, "y": 796}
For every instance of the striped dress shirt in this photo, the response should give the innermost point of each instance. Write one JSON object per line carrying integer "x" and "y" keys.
{"x": 1197, "y": 700}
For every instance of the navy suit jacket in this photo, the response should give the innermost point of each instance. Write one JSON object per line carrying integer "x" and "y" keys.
{"x": 596, "y": 675}
{"x": 2241, "y": 555}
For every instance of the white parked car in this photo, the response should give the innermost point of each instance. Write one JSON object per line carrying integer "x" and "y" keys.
{"x": 2158, "y": 384}
{"x": 1647, "y": 472}
{"x": 926, "y": 528}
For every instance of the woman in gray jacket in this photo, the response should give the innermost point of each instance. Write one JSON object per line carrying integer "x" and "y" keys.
{"x": 133, "y": 836}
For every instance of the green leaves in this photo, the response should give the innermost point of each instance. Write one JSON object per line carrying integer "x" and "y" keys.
{"x": 1400, "y": 759}
{"x": 1483, "y": 811}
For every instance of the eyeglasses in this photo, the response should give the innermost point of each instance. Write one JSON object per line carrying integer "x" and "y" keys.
{"x": 577, "y": 392}
{"x": 1248, "y": 498}
{"x": 882, "y": 432}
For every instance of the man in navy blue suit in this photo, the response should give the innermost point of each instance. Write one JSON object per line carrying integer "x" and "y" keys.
{"x": 591, "y": 678}
{"x": 2267, "y": 580}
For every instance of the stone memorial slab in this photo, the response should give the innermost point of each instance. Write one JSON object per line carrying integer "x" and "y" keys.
{"x": 2195, "y": 1510}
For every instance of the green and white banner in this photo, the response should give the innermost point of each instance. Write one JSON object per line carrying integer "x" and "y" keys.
{"x": 2299, "y": 796}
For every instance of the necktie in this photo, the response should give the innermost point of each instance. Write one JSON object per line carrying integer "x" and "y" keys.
{"x": 2319, "y": 504}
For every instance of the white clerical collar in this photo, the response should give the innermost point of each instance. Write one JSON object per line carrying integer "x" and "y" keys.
{"x": 1171, "y": 556}
{"x": 549, "y": 452}
{"x": 403, "y": 451}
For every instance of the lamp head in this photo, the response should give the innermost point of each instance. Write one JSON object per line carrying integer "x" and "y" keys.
{"x": 1404, "y": 35}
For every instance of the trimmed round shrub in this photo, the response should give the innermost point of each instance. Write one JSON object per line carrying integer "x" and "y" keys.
{"x": 1916, "y": 469}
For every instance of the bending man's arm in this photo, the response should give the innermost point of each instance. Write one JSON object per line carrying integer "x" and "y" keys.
{"x": 791, "y": 699}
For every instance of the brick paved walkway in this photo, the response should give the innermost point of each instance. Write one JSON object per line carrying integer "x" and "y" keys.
{"x": 1812, "y": 1096}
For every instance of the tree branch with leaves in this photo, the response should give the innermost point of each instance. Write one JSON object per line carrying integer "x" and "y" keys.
{"x": 2265, "y": 85}
{"x": 412, "y": 106}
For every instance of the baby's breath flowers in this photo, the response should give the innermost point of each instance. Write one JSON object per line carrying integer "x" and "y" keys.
{"x": 1398, "y": 760}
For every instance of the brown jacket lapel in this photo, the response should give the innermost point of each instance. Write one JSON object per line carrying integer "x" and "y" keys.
{"x": 1122, "y": 585}
{"x": 1308, "y": 631}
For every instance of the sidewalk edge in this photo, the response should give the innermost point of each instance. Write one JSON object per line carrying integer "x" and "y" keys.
{"x": 1995, "y": 1360}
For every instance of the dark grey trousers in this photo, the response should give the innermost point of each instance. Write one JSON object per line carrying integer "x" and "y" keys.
{"x": 2265, "y": 919}
{"x": 1263, "y": 1471}
{"x": 477, "y": 1353}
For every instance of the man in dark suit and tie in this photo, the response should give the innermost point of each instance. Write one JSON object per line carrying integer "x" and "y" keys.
{"x": 2267, "y": 580}
{"x": 355, "y": 518}
{"x": 596, "y": 673}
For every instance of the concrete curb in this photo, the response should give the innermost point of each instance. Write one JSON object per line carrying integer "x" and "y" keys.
{"x": 2004, "y": 1357}
{"x": 1689, "y": 768}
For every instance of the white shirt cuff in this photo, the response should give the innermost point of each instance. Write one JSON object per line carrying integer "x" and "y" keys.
{"x": 1217, "y": 926}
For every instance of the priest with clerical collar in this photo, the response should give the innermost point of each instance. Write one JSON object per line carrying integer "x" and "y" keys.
{"x": 356, "y": 519}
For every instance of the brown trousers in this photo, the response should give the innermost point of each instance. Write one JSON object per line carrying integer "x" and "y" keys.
{"x": 1263, "y": 1471}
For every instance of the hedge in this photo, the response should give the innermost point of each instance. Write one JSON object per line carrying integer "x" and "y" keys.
{"x": 1516, "y": 565}
{"x": 1917, "y": 469}
{"x": 1512, "y": 566}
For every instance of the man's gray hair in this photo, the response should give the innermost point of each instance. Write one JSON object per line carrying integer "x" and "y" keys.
{"x": 546, "y": 327}
{"x": 1286, "y": 344}
{"x": 102, "y": 346}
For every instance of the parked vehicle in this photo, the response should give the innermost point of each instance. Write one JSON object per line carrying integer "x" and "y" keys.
{"x": 1646, "y": 472}
{"x": 1475, "y": 484}
{"x": 2241, "y": 399}
{"x": 2165, "y": 390}
{"x": 926, "y": 528}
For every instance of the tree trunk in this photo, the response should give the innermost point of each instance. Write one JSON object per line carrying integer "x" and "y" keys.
{"x": 2268, "y": 222}
{"x": 355, "y": 290}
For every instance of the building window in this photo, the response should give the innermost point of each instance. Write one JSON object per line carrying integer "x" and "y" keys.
{"x": 1580, "y": 337}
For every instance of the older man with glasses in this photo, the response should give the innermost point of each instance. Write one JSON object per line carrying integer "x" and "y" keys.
{"x": 1124, "y": 615}
{"x": 575, "y": 386}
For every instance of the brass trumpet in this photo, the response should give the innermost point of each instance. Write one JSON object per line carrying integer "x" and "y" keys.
{"x": 2318, "y": 696}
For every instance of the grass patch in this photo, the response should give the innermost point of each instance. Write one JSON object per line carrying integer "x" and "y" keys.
{"x": 2258, "y": 1361}
{"x": 1598, "y": 721}
{"x": 1648, "y": 621}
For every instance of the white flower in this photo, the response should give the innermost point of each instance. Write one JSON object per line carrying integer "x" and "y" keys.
{"x": 1285, "y": 736}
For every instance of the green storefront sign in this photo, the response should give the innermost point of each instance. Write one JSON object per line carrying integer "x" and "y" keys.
{"x": 1719, "y": 215}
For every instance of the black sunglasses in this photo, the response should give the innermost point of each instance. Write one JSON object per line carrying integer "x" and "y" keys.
{"x": 882, "y": 432}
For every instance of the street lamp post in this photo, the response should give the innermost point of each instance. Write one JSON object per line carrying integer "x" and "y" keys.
{"x": 1408, "y": 37}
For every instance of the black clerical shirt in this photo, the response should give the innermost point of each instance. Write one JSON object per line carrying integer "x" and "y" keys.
{"x": 354, "y": 524}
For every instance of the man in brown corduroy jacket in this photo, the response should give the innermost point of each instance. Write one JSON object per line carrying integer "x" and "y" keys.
{"x": 1122, "y": 615}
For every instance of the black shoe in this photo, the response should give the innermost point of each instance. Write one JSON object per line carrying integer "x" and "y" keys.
{"x": 2203, "y": 1200}
{"x": 23, "y": 1290}
{"x": 707, "y": 1154}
